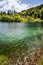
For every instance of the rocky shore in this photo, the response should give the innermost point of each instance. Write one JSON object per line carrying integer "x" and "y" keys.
{"x": 34, "y": 57}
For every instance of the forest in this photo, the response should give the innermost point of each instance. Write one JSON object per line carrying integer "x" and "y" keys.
{"x": 34, "y": 14}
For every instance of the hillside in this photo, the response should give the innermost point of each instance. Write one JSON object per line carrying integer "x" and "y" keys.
{"x": 34, "y": 14}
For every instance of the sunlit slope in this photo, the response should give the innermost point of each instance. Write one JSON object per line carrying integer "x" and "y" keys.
{"x": 34, "y": 14}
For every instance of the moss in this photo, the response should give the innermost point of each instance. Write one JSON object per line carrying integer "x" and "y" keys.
{"x": 3, "y": 60}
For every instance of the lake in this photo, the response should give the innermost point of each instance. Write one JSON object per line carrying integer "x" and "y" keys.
{"x": 16, "y": 37}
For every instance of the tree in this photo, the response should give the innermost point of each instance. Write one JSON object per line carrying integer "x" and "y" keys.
{"x": 41, "y": 14}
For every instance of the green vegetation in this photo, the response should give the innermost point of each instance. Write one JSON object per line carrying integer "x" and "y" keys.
{"x": 13, "y": 54}
{"x": 3, "y": 60}
{"x": 34, "y": 14}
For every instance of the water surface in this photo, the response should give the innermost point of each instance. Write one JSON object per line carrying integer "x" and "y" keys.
{"x": 19, "y": 34}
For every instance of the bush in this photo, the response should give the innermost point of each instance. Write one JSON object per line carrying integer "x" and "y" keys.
{"x": 41, "y": 14}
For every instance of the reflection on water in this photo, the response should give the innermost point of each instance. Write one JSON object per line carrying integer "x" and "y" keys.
{"x": 20, "y": 34}
{"x": 16, "y": 31}
{"x": 21, "y": 44}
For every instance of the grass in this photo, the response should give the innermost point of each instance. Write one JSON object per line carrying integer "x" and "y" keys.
{"x": 3, "y": 60}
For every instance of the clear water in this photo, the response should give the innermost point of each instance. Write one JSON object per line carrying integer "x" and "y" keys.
{"x": 20, "y": 33}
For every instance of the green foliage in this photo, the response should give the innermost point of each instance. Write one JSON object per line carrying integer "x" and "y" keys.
{"x": 35, "y": 12}
{"x": 3, "y": 60}
{"x": 41, "y": 14}
{"x": 32, "y": 14}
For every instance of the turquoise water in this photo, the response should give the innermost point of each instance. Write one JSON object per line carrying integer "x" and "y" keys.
{"x": 19, "y": 34}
